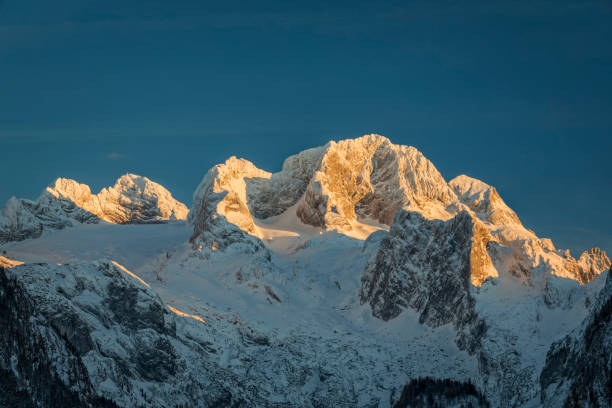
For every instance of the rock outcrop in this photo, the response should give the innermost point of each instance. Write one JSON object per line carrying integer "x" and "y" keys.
{"x": 517, "y": 250}
{"x": 430, "y": 266}
{"x": 67, "y": 329}
{"x": 370, "y": 177}
{"x": 8, "y": 263}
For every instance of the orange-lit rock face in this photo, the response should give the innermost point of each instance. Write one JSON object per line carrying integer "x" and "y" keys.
{"x": 590, "y": 264}
{"x": 336, "y": 186}
{"x": 220, "y": 213}
{"x": 524, "y": 251}
{"x": 484, "y": 200}
{"x": 371, "y": 178}
{"x": 481, "y": 266}
{"x": 67, "y": 203}
{"x": 9, "y": 263}
{"x": 132, "y": 199}
{"x": 331, "y": 186}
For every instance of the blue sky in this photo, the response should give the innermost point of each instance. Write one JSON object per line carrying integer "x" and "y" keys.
{"x": 518, "y": 94}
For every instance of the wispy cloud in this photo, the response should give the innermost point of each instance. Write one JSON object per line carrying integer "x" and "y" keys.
{"x": 114, "y": 156}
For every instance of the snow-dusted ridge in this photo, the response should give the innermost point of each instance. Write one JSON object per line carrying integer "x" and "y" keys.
{"x": 333, "y": 282}
{"x": 355, "y": 187}
{"x": 133, "y": 199}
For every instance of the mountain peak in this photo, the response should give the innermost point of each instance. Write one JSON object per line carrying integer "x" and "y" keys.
{"x": 344, "y": 184}
{"x": 133, "y": 199}
{"x": 332, "y": 186}
{"x": 484, "y": 200}
{"x": 64, "y": 188}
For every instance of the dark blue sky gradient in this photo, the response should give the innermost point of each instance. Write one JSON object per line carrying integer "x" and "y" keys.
{"x": 518, "y": 94}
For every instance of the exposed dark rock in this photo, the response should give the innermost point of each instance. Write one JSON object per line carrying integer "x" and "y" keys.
{"x": 431, "y": 392}
{"x": 427, "y": 265}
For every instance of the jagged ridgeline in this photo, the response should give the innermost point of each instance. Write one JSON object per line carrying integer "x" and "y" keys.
{"x": 356, "y": 276}
{"x": 65, "y": 203}
{"x": 339, "y": 185}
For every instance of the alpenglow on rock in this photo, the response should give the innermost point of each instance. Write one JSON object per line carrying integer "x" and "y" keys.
{"x": 329, "y": 187}
{"x": 132, "y": 200}
{"x": 458, "y": 302}
{"x": 370, "y": 179}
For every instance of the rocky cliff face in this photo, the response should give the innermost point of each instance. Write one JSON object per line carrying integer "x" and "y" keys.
{"x": 578, "y": 370}
{"x": 484, "y": 201}
{"x": 372, "y": 178}
{"x": 330, "y": 186}
{"x": 369, "y": 178}
{"x": 430, "y": 266}
{"x": 133, "y": 199}
{"x": 516, "y": 249}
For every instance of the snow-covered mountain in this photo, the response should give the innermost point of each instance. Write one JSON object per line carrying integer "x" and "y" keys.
{"x": 133, "y": 199}
{"x": 578, "y": 370}
{"x": 356, "y": 276}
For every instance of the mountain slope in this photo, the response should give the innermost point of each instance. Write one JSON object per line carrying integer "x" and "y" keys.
{"x": 578, "y": 371}
{"x": 455, "y": 253}
{"x": 429, "y": 265}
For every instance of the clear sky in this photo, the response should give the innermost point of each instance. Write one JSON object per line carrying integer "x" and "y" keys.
{"x": 518, "y": 94}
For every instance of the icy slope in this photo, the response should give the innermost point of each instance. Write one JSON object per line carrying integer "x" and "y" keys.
{"x": 131, "y": 245}
{"x": 133, "y": 199}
